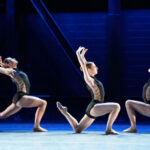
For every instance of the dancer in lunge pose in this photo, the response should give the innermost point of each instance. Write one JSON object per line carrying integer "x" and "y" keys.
{"x": 142, "y": 107}
{"x": 21, "y": 98}
{"x": 97, "y": 107}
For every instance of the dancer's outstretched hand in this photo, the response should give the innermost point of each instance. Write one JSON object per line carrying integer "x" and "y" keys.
{"x": 79, "y": 49}
{"x": 84, "y": 51}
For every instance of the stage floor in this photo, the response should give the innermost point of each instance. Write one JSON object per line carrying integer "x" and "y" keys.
{"x": 61, "y": 137}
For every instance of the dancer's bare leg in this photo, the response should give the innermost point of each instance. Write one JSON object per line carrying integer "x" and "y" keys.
{"x": 101, "y": 109}
{"x": 10, "y": 110}
{"x": 77, "y": 127}
{"x": 131, "y": 107}
{"x": 29, "y": 102}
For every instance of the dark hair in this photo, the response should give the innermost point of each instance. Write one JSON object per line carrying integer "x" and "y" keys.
{"x": 88, "y": 65}
{"x": 7, "y": 60}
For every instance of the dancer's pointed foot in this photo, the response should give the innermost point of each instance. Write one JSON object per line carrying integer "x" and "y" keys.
{"x": 61, "y": 108}
{"x": 131, "y": 130}
{"x": 113, "y": 132}
{"x": 39, "y": 129}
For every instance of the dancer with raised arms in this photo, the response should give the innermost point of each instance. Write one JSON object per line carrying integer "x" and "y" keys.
{"x": 97, "y": 107}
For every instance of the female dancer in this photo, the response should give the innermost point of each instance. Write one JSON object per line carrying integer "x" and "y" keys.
{"x": 96, "y": 108}
{"x": 21, "y": 98}
{"x": 141, "y": 107}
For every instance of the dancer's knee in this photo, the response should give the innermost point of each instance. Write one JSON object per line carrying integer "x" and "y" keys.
{"x": 78, "y": 129}
{"x": 117, "y": 107}
{"x": 128, "y": 103}
{"x": 43, "y": 103}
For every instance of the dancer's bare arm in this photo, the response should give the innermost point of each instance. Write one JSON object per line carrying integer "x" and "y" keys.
{"x": 83, "y": 55}
{"x": 81, "y": 58}
{"x": 3, "y": 70}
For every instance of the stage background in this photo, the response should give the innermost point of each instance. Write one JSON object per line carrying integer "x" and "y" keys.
{"x": 118, "y": 43}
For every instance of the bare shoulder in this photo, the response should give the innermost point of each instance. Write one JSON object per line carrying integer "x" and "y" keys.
{"x": 89, "y": 81}
{"x": 10, "y": 70}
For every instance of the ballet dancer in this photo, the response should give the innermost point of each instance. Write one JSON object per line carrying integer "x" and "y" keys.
{"x": 97, "y": 107}
{"x": 142, "y": 107}
{"x": 21, "y": 99}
